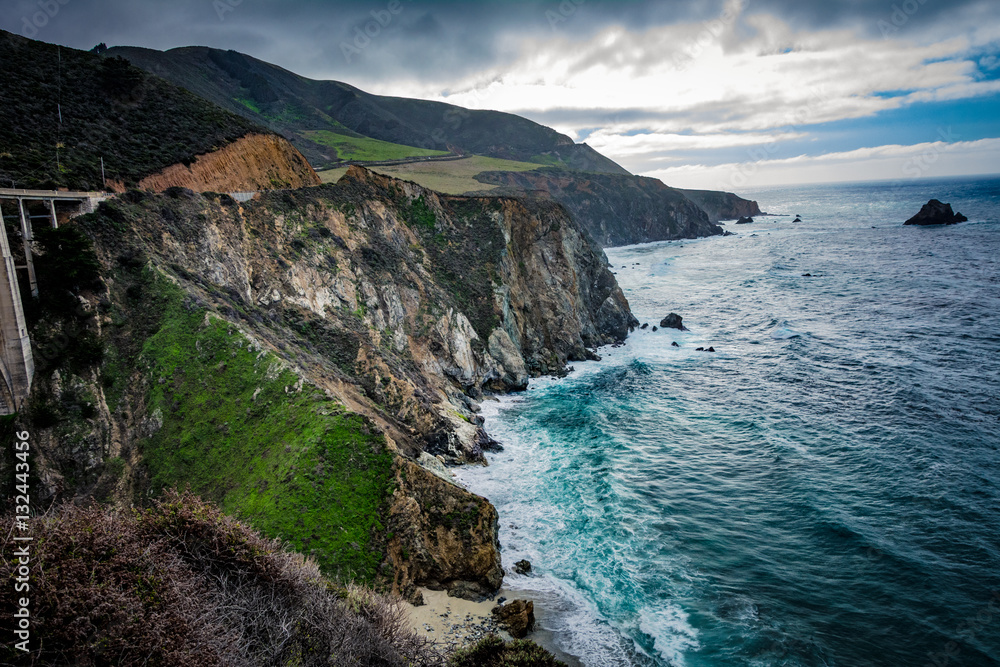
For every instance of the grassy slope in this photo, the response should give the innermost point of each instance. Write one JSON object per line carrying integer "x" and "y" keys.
{"x": 292, "y": 462}
{"x": 363, "y": 148}
{"x": 453, "y": 177}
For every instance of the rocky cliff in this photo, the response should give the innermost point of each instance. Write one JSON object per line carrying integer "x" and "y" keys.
{"x": 722, "y": 205}
{"x": 310, "y": 360}
{"x": 614, "y": 209}
{"x": 253, "y": 162}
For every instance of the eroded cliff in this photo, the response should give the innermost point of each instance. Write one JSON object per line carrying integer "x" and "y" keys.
{"x": 310, "y": 360}
{"x": 254, "y": 162}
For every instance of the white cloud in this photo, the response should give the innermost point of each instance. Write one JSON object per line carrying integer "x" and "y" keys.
{"x": 889, "y": 162}
{"x": 741, "y": 80}
{"x": 612, "y": 142}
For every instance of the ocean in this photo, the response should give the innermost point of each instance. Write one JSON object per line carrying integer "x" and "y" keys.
{"x": 823, "y": 489}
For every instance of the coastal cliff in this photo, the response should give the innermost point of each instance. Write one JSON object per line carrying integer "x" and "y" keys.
{"x": 310, "y": 360}
{"x": 614, "y": 209}
{"x": 722, "y": 205}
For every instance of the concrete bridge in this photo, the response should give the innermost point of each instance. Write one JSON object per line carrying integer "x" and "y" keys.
{"x": 17, "y": 367}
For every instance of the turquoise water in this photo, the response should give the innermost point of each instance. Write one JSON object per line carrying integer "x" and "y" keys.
{"x": 822, "y": 490}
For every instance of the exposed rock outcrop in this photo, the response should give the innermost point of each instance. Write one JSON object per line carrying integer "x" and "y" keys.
{"x": 443, "y": 537}
{"x": 935, "y": 212}
{"x": 254, "y": 162}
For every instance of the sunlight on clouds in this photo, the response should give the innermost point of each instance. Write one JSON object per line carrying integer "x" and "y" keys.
{"x": 742, "y": 79}
{"x": 611, "y": 142}
{"x": 890, "y": 162}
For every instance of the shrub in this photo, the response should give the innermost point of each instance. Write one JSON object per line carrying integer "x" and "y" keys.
{"x": 183, "y": 584}
{"x": 492, "y": 651}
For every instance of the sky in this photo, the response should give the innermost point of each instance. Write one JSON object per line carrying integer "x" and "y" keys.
{"x": 721, "y": 94}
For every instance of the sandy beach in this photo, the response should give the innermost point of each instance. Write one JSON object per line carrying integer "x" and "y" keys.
{"x": 454, "y": 623}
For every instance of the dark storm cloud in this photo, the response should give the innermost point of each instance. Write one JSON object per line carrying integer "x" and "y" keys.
{"x": 427, "y": 40}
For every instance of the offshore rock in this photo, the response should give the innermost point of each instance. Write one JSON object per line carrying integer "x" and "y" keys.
{"x": 936, "y": 213}
{"x": 673, "y": 321}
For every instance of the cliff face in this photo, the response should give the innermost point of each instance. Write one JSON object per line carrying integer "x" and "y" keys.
{"x": 722, "y": 205}
{"x": 614, "y": 209}
{"x": 307, "y": 360}
{"x": 253, "y": 162}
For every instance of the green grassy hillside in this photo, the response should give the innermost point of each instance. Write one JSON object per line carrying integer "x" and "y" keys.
{"x": 450, "y": 176}
{"x": 350, "y": 147}
{"x": 109, "y": 109}
{"x": 241, "y": 430}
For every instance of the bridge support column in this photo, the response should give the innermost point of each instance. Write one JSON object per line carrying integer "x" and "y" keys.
{"x": 55, "y": 220}
{"x": 26, "y": 236}
{"x": 16, "y": 362}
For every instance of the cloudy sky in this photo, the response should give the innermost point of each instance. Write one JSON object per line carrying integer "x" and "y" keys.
{"x": 726, "y": 94}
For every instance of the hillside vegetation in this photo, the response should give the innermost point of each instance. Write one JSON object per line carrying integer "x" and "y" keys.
{"x": 454, "y": 177}
{"x": 352, "y": 147}
{"x": 109, "y": 109}
{"x": 294, "y": 106}
{"x": 180, "y": 583}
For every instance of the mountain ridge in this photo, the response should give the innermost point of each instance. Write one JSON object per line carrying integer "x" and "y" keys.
{"x": 293, "y": 104}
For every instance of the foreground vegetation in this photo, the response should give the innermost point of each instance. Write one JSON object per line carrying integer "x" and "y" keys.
{"x": 181, "y": 583}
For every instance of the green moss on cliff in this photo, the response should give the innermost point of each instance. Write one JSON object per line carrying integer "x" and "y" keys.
{"x": 240, "y": 430}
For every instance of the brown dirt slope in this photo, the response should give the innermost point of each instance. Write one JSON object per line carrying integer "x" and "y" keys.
{"x": 253, "y": 162}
